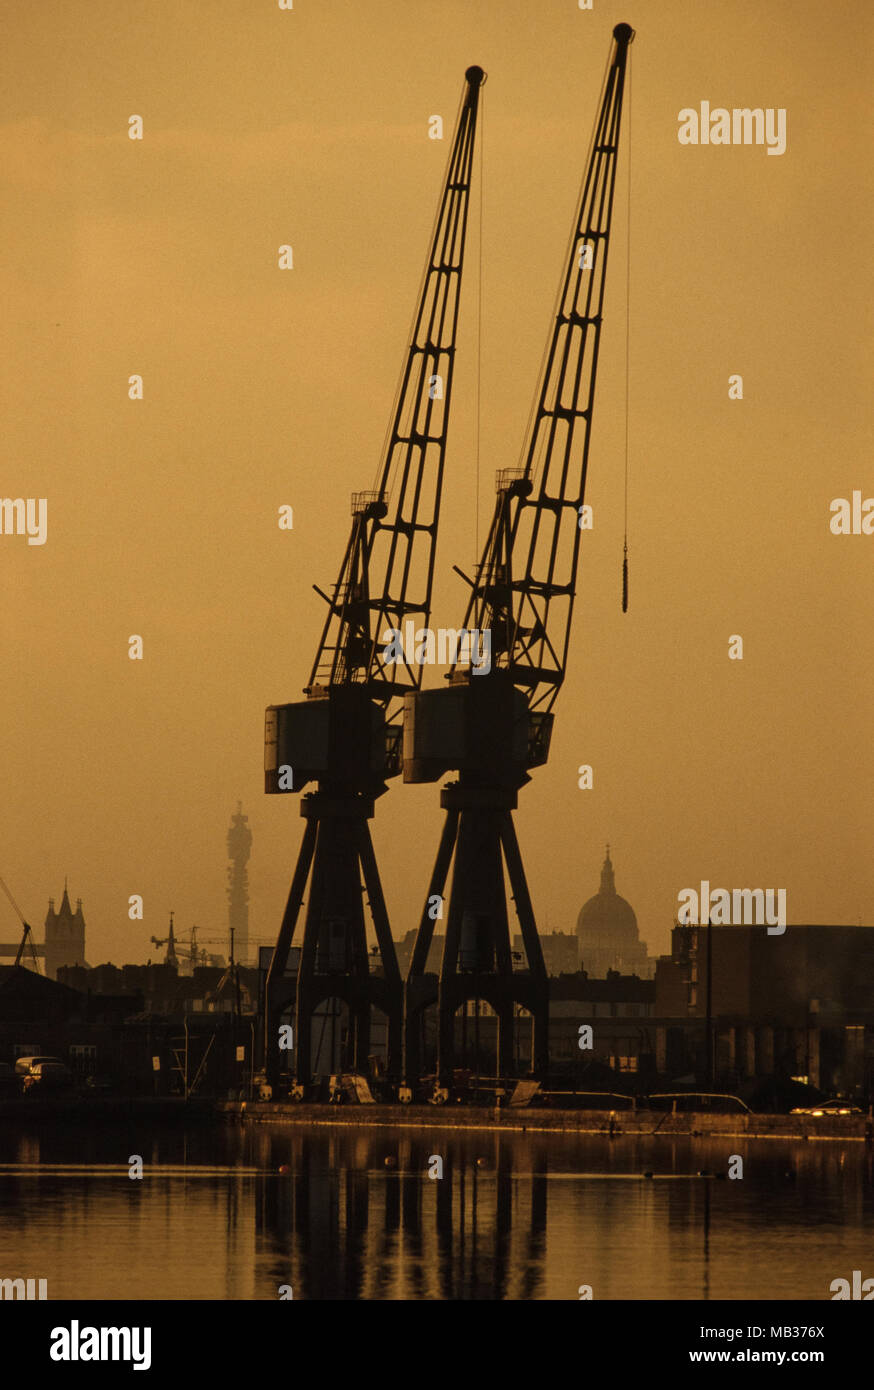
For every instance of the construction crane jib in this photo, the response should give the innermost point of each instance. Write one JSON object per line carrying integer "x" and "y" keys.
{"x": 524, "y": 588}
{"x": 394, "y": 530}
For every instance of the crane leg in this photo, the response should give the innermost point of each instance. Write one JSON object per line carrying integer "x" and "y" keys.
{"x": 277, "y": 994}
{"x": 477, "y": 958}
{"x": 334, "y": 964}
{"x": 394, "y": 988}
{"x": 419, "y": 991}
{"x": 539, "y": 981}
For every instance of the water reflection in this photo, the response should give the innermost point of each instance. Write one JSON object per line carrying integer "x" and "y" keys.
{"x": 517, "y": 1218}
{"x": 345, "y": 1225}
{"x": 354, "y": 1215}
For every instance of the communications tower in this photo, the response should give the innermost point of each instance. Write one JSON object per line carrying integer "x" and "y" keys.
{"x": 239, "y": 849}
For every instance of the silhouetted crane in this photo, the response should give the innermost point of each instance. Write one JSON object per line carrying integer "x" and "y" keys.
{"x": 494, "y": 727}
{"x": 342, "y": 736}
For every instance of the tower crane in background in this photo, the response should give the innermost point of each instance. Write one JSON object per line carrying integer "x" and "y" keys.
{"x": 196, "y": 956}
{"x": 494, "y": 727}
{"x": 344, "y": 737}
{"x": 26, "y": 935}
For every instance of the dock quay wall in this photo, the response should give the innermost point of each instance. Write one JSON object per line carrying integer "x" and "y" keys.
{"x": 644, "y": 1122}
{"x": 114, "y": 1110}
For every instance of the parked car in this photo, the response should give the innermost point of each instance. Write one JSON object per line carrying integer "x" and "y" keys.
{"x": 47, "y": 1076}
{"x": 698, "y": 1101}
{"x": 24, "y": 1064}
{"x": 828, "y": 1107}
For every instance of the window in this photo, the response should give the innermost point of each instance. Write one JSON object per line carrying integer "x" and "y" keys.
{"x": 83, "y": 1058}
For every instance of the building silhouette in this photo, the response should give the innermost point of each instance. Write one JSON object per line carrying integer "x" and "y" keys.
{"x": 560, "y": 951}
{"x": 607, "y": 934}
{"x": 65, "y": 935}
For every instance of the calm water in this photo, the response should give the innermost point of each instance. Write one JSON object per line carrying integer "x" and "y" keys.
{"x": 513, "y": 1217}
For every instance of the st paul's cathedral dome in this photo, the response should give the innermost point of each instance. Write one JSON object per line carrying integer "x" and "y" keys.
{"x": 607, "y": 933}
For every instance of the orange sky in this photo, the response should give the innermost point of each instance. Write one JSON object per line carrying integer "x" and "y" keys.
{"x": 263, "y": 387}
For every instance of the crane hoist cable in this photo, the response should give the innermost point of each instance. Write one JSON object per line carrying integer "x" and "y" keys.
{"x": 627, "y": 343}
{"x": 479, "y": 314}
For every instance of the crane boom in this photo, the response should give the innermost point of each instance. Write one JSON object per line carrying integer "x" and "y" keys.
{"x": 537, "y": 512}
{"x": 394, "y": 527}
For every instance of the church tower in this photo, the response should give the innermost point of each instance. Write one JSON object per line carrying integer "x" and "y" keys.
{"x": 65, "y": 935}
{"x": 239, "y": 849}
{"x": 170, "y": 958}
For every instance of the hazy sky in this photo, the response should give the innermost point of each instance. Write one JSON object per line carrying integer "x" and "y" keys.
{"x": 265, "y": 387}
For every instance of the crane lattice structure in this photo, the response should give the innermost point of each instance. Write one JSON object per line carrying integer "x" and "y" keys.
{"x": 494, "y": 727}
{"x": 344, "y": 736}
{"x": 26, "y": 934}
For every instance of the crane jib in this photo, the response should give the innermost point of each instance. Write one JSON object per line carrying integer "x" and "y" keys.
{"x": 526, "y": 580}
{"x": 393, "y": 538}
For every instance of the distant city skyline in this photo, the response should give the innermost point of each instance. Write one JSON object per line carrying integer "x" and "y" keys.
{"x": 570, "y": 927}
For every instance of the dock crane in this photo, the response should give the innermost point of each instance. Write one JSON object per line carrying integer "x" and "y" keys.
{"x": 492, "y": 728}
{"x": 344, "y": 736}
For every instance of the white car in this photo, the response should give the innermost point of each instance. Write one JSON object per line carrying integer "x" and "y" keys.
{"x": 24, "y": 1064}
